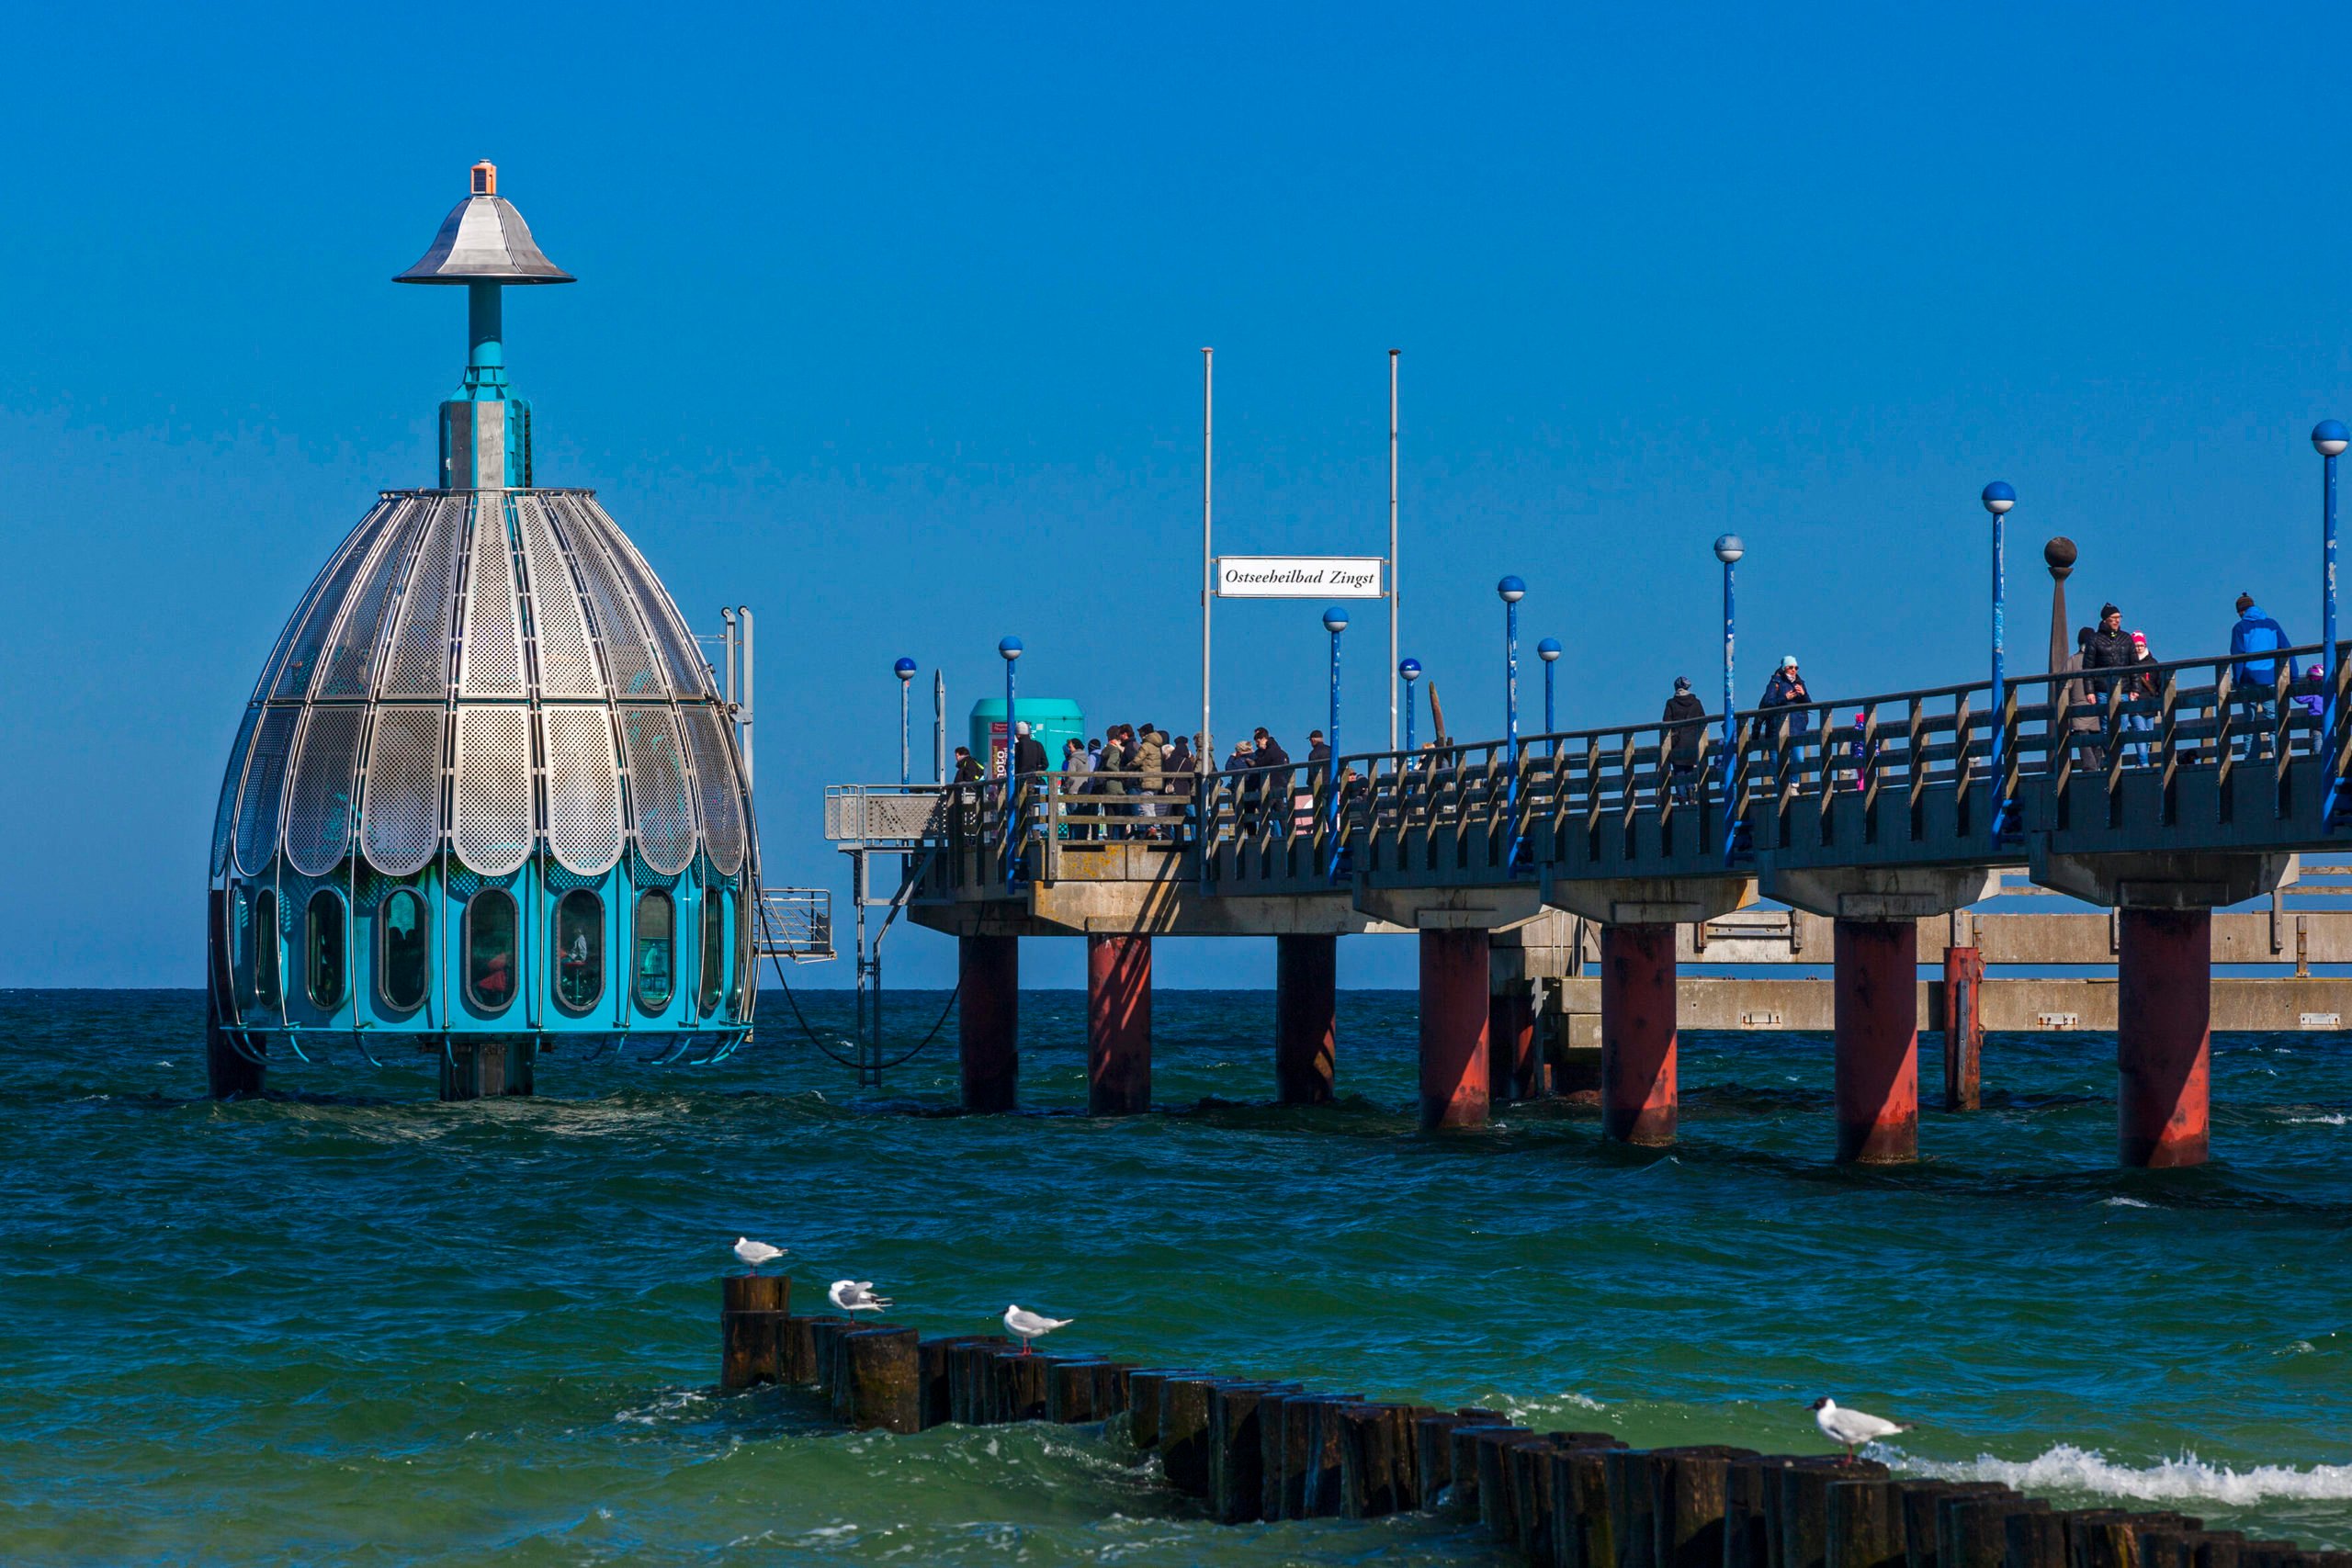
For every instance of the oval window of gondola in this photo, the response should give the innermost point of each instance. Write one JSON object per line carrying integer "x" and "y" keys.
{"x": 657, "y": 929}
{"x": 579, "y": 949}
{"x": 746, "y": 960}
{"x": 491, "y": 950}
{"x": 266, "y": 941}
{"x": 322, "y": 933}
{"x": 402, "y": 954}
{"x": 712, "y": 975}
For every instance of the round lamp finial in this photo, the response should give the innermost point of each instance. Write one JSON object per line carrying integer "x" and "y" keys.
{"x": 904, "y": 669}
{"x": 1999, "y": 497}
{"x": 1009, "y": 647}
{"x": 1728, "y": 548}
{"x": 1335, "y": 619}
{"x": 1409, "y": 668}
{"x": 1548, "y": 650}
{"x": 2330, "y": 437}
{"x": 1512, "y": 589}
{"x": 2058, "y": 555}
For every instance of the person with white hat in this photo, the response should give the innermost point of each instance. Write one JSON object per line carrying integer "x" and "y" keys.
{"x": 1786, "y": 689}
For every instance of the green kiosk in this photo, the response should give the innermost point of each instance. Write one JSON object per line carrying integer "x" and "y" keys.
{"x": 1052, "y": 720}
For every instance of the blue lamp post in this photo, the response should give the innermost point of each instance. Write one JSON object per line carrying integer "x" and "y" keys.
{"x": 1728, "y": 550}
{"x": 1410, "y": 670}
{"x": 1009, "y": 649}
{"x": 905, "y": 670}
{"x": 1335, "y": 621}
{"x": 1998, "y": 497}
{"x": 1511, "y": 590}
{"x": 1548, "y": 651}
{"x": 2329, "y": 438}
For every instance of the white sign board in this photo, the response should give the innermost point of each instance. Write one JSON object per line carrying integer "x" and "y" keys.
{"x": 1298, "y": 577}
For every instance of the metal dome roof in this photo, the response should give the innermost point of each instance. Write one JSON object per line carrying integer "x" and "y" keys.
{"x": 484, "y": 240}
{"x": 495, "y": 672}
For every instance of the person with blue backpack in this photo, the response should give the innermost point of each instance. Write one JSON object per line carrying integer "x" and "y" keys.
{"x": 2256, "y": 680}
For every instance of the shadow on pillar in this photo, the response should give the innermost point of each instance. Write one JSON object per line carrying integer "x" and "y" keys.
{"x": 1306, "y": 997}
{"x": 2163, "y": 1035}
{"x": 487, "y": 1069}
{"x": 1512, "y": 1066}
{"x": 1637, "y": 1035}
{"x": 1877, "y": 1073}
{"x": 988, "y": 1021}
{"x": 1118, "y": 1025}
{"x": 1453, "y": 1028}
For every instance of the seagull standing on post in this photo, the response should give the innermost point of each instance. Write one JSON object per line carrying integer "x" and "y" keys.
{"x": 756, "y": 1252}
{"x": 1032, "y": 1326}
{"x": 1851, "y": 1428}
{"x": 856, "y": 1295}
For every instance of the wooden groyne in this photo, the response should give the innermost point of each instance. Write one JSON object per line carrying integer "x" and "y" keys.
{"x": 1252, "y": 1449}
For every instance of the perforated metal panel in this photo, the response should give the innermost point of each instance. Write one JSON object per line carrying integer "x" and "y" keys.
{"x": 363, "y": 530}
{"x": 567, "y": 662}
{"x": 584, "y": 788}
{"x": 716, "y": 789}
{"x": 663, "y": 811}
{"x": 225, "y": 820}
{"x": 401, "y": 812}
{"x": 258, "y": 805}
{"x": 491, "y": 665}
{"x": 494, "y": 827}
{"x": 350, "y": 661}
{"x": 302, "y": 652}
{"x": 629, "y": 662}
{"x": 419, "y": 663}
{"x": 318, "y": 803}
{"x": 687, "y": 675}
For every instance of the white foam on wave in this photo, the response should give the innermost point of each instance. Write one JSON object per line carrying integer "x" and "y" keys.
{"x": 2337, "y": 1120}
{"x": 2067, "y": 1468}
{"x": 2123, "y": 1203}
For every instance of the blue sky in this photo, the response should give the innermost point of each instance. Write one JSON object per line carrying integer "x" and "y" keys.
{"x": 888, "y": 325}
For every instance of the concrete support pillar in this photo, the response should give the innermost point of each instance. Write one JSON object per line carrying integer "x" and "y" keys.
{"x": 1637, "y": 1050}
{"x": 1118, "y": 1025}
{"x": 485, "y": 1069}
{"x": 1963, "y": 1026}
{"x": 1453, "y": 1028}
{"x": 1513, "y": 1067}
{"x": 1878, "y": 1042}
{"x": 2163, "y": 1035}
{"x": 987, "y": 978}
{"x": 1306, "y": 997}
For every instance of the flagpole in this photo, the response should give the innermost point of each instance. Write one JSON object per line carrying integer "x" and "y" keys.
{"x": 1391, "y": 548}
{"x": 1208, "y": 567}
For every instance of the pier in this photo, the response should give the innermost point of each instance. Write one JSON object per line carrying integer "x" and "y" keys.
{"x": 1560, "y": 884}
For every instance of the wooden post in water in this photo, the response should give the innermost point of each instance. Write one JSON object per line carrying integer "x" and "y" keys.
{"x": 1972, "y": 1529}
{"x": 1798, "y": 1505}
{"x": 1581, "y": 1535}
{"x": 1687, "y": 1502}
{"x": 1318, "y": 1481}
{"x": 752, "y": 1310}
{"x": 1184, "y": 1433}
{"x": 801, "y": 1358}
{"x": 1867, "y": 1527}
{"x": 824, "y": 1335}
{"x": 1963, "y": 1027}
{"x": 1747, "y": 1513}
{"x": 1918, "y": 1500}
{"x": 1016, "y": 1385}
{"x": 878, "y": 1384}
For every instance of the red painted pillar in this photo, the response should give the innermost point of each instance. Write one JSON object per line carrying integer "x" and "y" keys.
{"x": 1118, "y": 1025}
{"x": 1511, "y": 1042}
{"x": 1963, "y": 1026}
{"x": 1878, "y": 1042}
{"x": 1453, "y": 1028}
{"x": 1637, "y": 1054}
{"x": 1306, "y": 994}
{"x": 987, "y": 978}
{"x": 2164, "y": 1033}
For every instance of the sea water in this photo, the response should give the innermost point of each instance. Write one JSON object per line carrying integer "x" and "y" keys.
{"x": 348, "y": 1324}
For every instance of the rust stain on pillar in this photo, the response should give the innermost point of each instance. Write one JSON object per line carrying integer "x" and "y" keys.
{"x": 1963, "y": 1026}
{"x": 2163, "y": 1035}
{"x": 988, "y": 979}
{"x": 1306, "y": 990}
{"x": 1453, "y": 1028}
{"x": 1878, "y": 1042}
{"x": 1637, "y": 1033}
{"x": 1118, "y": 1025}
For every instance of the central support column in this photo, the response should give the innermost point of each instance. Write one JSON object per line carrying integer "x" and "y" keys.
{"x": 2164, "y": 1033}
{"x": 1118, "y": 1025}
{"x": 1878, "y": 1042}
{"x": 1511, "y": 1042}
{"x": 1637, "y": 1033}
{"x": 1963, "y": 1027}
{"x": 487, "y": 1069}
{"x": 1453, "y": 1028}
{"x": 1306, "y": 991}
{"x": 987, "y": 978}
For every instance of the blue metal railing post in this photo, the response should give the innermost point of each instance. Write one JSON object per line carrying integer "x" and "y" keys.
{"x": 1512, "y": 590}
{"x": 1998, "y": 497}
{"x": 1010, "y": 649}
{"x": 1728, "y": 550}
{"x": 2330, "y": 439}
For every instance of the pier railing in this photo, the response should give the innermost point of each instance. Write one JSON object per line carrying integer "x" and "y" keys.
{"x": 2192, "y": 751}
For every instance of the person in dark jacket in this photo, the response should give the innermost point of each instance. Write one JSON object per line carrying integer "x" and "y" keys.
{"x": 1686, "y": 715}
{"x": 1028, "y": 752}
{"x": 2258, "y": 679}
{"x": 967, "y": 767}
{"x": 2107, "y": 648}
{"x": 1786, "y": 689}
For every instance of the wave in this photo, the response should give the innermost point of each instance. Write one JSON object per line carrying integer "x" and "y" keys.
{"x": 2065, "y": 1468}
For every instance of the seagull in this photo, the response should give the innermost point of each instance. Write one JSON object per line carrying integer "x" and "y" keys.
{"x": 1030, "y": 1325}
{"x": 756, "y": 1252}
{"x": 856, "y": 1295}
{"x": 1851, "y": 1428}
